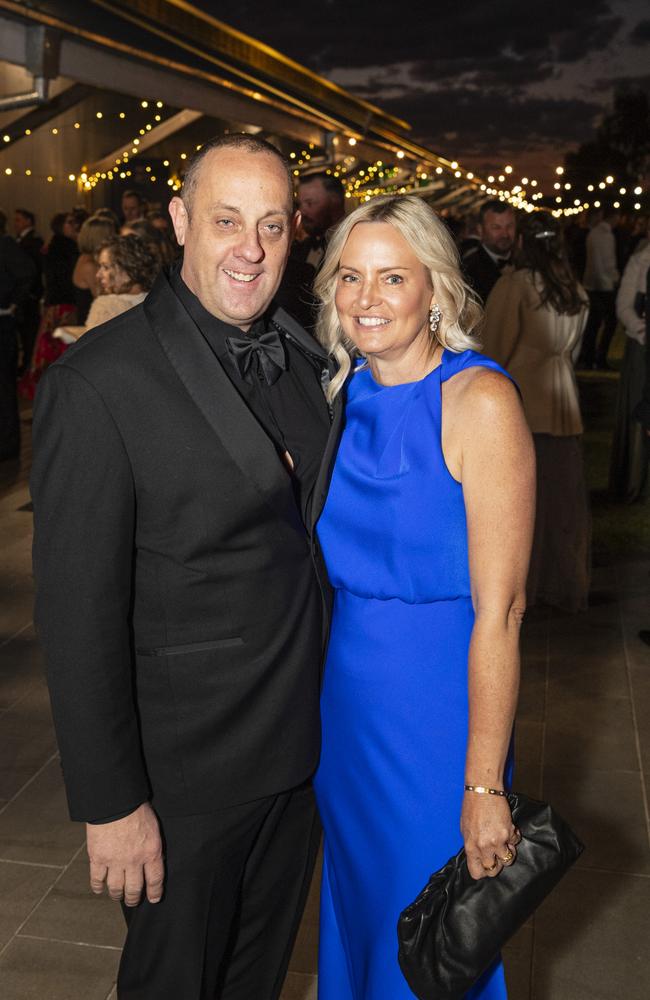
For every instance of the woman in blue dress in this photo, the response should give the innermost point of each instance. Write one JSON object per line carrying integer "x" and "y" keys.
{"x": 426, "y": 533}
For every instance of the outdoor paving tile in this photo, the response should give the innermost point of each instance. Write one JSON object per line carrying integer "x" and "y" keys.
{"x": 517, "y": 960}
{"x": 21, "y": 888}
{"x": 584, "y": 673}
{"x": 21, "y": 668}
{"x": 532, "y": 690}
{"x": 35, "y": 825}
{"x": 50, "y": 970}
{"x": 71, "y": 913}
{"x": 527, "y": 776}
{"x": 16, "y": 605}
{"x": 605, "y": 808}
{"x": 30, "y": 713}
{"x": 590, "y": 732}
{"x": 298, "y": 986}
{"x": 21, "y": 756}
{"x": 591, "y": 939}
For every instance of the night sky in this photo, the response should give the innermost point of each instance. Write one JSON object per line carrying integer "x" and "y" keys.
{"x": 481, "y": 81}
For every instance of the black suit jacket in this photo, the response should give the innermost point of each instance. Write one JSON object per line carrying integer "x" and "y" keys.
{"x": 32, "y": 245}
{"x": 481, "y": 271}
{"x": 177, "y": 600}
{"x": 642, "y": 411}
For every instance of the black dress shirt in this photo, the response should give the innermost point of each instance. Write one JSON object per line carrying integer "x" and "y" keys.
{"x": 294, "y": 416}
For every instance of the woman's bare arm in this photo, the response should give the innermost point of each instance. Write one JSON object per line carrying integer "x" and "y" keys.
{"x": 497, "y": 471}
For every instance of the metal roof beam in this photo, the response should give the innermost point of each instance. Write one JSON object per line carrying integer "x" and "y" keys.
{"x": 169, "y": 127}
{"x": 44, "y": 113}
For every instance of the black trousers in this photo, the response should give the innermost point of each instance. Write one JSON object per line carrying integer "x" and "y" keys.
{"x": 602, "y": 312}
{"x": 9, "y": 419}
{"x": 236, "y": 885}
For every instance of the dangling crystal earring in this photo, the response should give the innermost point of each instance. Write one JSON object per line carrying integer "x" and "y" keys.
{"x": 434, "y": 317}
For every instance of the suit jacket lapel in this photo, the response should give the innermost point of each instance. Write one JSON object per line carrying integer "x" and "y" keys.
{"x": 287, "y": 323}
{"x": 215, "y": 395}
{"x": 327, "y": 464}
{"x": 282, "y": 319}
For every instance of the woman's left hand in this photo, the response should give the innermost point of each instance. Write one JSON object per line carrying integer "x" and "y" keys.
{"x": 490, "y": 835}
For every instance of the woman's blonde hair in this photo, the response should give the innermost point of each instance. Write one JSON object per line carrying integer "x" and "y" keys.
{"x": 433, "y": 245}
{"x": 95, "y": 231}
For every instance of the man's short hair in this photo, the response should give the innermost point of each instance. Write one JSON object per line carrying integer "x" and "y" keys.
{"x": 235, "y": 140}
{"x": 333, "y": 185}
{"x": 130, "y": 193}
{"x": 494, "y": 205}
{"x": 28, "y": 215}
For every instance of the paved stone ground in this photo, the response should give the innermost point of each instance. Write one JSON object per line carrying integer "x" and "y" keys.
{"x": 583, "y": 741}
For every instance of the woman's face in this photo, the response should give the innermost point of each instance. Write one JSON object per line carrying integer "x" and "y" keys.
{"x": 111, "y": 277}
{"x": 383, "y": 293}
{"x": 70, "y": 227}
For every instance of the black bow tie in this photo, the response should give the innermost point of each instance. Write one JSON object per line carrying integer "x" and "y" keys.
{"x": 501, "y": 262}
{"x": 268, "y": 352}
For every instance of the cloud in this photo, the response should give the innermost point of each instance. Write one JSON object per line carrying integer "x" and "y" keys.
{"x": 640, "y": 35}
{"x": 487, "y": 122}
{"x": 493, "y": 76}
{"x": 339, "y": 34}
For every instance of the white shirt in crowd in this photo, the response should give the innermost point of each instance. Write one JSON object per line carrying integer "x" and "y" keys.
{"x": 601, "y": 270}
{"x": 633, "y": 287}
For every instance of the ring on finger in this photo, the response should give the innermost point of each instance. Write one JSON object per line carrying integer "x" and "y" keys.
{"x": 491, "y": 868}
{"x": 508, "y": 858}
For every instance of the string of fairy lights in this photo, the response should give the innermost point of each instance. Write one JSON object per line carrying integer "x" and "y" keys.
{"x": 399, "y": 173}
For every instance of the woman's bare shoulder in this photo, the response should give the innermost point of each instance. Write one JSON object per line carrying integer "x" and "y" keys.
{"x": 482, "y": 397}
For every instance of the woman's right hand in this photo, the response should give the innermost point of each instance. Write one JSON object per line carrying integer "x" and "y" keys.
{"x": 490, "y": 836}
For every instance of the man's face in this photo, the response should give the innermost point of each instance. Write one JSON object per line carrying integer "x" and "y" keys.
{"x": 237, "y": 235}
{"x": 20, "y": 222}
{"x": 131, "y": 208}
{"x": 319, "y": 210}
{"x": 497, "y": 232}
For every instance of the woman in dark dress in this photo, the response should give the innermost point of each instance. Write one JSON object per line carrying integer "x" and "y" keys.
{"x": 59, "y": 259}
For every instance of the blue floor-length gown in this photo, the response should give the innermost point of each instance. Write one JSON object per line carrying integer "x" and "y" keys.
{"x": 395, "y": 696}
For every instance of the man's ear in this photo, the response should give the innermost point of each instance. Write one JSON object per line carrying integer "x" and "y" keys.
{"x": 180, "y": 219}
{"x": 295, "y": 222}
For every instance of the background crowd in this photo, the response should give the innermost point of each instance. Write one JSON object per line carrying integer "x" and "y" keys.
{"x": 553, "y": 294}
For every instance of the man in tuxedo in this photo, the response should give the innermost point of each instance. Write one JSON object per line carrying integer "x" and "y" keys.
{"x": 176, "y": 451}
{"x": 321, "y": 200}
{"x": 483, "y": 263}
{"x": 30, "y": 313}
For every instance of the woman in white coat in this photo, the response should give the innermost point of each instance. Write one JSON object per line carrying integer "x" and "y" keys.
{"x": 535, "y": 317}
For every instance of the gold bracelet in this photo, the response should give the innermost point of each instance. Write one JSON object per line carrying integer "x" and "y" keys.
{"x": 483, "y": 790}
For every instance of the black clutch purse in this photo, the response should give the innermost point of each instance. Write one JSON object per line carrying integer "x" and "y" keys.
{"x": 456, "y": 927}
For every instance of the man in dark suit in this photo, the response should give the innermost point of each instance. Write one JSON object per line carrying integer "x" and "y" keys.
{"x": 321, "y": 200}
{"x": 16, "y": 277}
{"x": 483, "y": 263}
{"x": 176, "y": 451}
{"x": 30, "y": 313}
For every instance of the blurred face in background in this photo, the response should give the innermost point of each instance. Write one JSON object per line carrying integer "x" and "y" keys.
{"x": 70, "y": 228}
{"x": 131, "y": 207}
{"x": 112, "y": 279}
{"x": 21, "y": 222}
{"x": 498, "y": 231}
{"x": 319, "y": 208}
